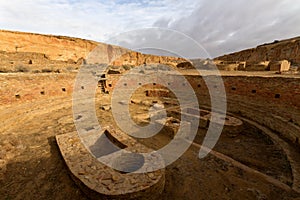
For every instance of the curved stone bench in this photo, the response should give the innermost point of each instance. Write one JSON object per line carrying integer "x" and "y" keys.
{"x": 99, "y": 181}
{"x": 232, "y": 126}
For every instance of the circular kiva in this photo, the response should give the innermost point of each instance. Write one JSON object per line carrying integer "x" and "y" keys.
{"x": 185, "y": 95}
{"x": 88, "y": 127}
{"x": 232, "y": 126}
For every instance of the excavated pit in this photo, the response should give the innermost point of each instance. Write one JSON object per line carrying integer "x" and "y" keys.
{"x": 254, "y": 162}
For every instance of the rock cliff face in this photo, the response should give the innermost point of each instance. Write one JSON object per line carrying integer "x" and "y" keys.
{"x": 136, "y": 59}
{"x": 278, "y": 50}
{"x": 57, "y": 48}
{"x": 35, "y": 50}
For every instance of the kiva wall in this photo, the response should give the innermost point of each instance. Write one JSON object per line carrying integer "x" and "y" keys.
{"x": 270, "y": 101}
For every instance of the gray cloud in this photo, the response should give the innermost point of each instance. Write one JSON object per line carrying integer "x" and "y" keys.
{"x": 220, "y": 26}
{"x": 160, "y": 41}
{"x": 224, "y": 26}
{"x": 91, "y": 19}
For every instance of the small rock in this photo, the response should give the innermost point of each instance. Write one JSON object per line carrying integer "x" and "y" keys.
{"x": 133, "y": 101}
{"x": 106, "y": 177}
{"x": 158, "y": 106}
{"x": 121, "y": 180}
{"x": 133, "y": 181}
{"x": 2, "y": 165}
{"x": 106, "y": 107}
{"x": 109, "y": 187}
{"x": 123, "y": 102}
{"x": 147, "y": 103}
{"x": 151, "y": 175}
{"x": 81, "y": 173}
{"x": 105, "y": 182}
{"x": 115, "y": 178}
{"x": 238, "y": 141}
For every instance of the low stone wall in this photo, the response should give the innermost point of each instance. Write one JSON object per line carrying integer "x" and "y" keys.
{"x": 158, "y": 93}
{"x": 23, "y": 87}
{"x": 99, "y": 181}
{"x": 231, "y": 127}
{"x": 228, "y": 67}
{"x": 280, "y": 66}
{"x": 270, "y": 101}
{"x": 276, "y": 98}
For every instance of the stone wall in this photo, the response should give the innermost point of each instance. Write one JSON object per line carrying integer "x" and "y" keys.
{"x": 278, "y": 50}
{"x": 99, "y": 181}
{"x": 33, "y": 62}
{"x": 271, "y": 101}
{"x": 137, "y": 59}
{"x": 23, "y": 87}
{"x": 280, "y": 66}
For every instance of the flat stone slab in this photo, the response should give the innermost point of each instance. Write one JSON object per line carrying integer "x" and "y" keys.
{"x": 232, "y": 126}
{"x": 99, "y": 181}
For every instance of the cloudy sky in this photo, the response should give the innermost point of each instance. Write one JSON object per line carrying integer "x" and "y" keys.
{"x": 219, "y": 26}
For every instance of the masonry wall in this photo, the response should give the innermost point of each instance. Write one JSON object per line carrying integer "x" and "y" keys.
{"x": 22, "y": 87}
{"x": 278, "y": 50}
{"x": 270, "y": 101}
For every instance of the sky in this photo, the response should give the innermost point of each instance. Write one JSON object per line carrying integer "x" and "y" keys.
{"x": 219, "y": 26}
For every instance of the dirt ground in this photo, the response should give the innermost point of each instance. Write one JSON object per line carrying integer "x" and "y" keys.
{"x": 31, "y": 166}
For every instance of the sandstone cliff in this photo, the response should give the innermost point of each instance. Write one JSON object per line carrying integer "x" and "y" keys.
{"x": 37, "y": 52}
{"x": 136, "y": 59}
{"x": 59, "y": 48}
{"x": 278, "y": 50}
